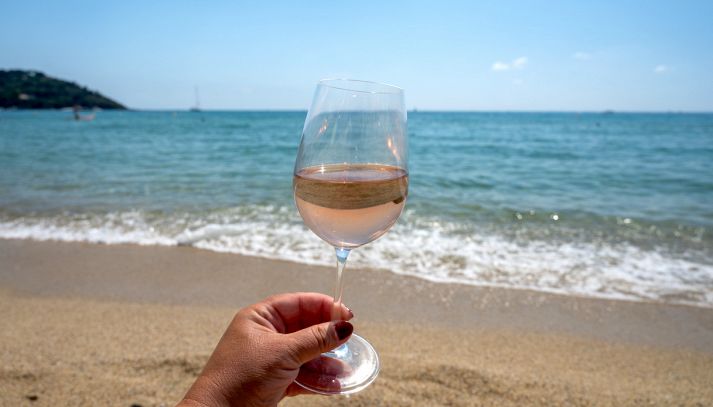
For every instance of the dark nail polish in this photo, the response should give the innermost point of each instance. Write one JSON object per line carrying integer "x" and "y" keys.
{"x": 343, "y": 329}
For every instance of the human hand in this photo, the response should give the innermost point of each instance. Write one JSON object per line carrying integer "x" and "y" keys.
{"x": 259, "y": 356}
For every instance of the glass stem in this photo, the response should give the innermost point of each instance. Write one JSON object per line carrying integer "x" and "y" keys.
{"x": 342, "y": 255}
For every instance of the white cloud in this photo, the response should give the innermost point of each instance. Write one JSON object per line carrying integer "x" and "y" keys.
{"x": 661, "y": 69}
{"x": 582, "y": 56}
{"x": 500, "y": 66}
{"x": 517, "y": 63}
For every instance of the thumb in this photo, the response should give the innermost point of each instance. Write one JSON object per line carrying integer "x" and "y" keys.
{"x": 312, "y": 341}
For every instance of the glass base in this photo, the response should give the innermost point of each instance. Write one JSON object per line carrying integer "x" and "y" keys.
{"x": 345, "y": 370}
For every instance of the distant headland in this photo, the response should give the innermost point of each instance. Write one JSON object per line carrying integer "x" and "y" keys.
{"x": 35, "y": 90}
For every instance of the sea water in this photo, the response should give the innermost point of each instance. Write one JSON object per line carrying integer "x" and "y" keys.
{"x": 605, "y": 205}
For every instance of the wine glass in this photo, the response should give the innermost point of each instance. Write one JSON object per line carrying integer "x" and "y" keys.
{"x": 350, "y": 186}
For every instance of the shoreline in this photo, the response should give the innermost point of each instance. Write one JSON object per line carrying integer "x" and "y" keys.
{"x": 172, "y": 275}
{"x": 95, "y": 324}
{"x": 408, "y": 275}
{"x": 488, "y": 259}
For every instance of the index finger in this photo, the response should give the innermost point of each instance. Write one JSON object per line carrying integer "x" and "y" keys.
{"x": 294, "y": 311}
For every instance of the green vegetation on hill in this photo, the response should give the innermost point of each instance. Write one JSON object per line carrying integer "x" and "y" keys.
{"x": 35, "y": 90}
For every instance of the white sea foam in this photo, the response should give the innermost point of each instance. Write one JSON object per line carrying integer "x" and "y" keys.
{"x": 113, "y": 228}
{"x": 436, "y": 251}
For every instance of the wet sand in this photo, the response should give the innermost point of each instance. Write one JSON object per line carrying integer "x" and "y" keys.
{"x": 120, "y": 325}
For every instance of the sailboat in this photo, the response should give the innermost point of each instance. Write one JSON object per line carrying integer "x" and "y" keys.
{"x": 197, "y": 107}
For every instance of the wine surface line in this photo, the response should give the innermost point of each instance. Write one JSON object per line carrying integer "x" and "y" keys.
{"x": 349, "y": 205}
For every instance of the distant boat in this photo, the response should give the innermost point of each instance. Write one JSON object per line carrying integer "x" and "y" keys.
{"x": 197, "y": 107}
{"x": 82, "y": 117}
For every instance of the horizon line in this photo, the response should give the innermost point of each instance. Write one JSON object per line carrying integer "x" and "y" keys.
{"x": 416, "y": 110}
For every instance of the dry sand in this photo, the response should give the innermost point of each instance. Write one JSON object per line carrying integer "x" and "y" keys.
{"x": 120, "y": 325}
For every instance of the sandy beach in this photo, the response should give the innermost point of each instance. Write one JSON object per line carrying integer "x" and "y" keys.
{"x": 130, "y": 325}
{"x": 524, "y": 196}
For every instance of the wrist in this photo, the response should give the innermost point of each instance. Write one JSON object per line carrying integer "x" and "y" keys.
{"x": 186, "y": 402}
{"x": 204, "y": 393}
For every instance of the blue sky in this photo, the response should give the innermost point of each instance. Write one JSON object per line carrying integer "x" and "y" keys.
{"x": 499, "y": 55}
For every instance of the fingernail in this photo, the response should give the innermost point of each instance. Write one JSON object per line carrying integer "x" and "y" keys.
{"x": 351, "y": 313}
{"x": 343, "y": 329}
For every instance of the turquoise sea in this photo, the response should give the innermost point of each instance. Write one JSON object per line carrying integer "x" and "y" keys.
{"x": 606, "y": 205}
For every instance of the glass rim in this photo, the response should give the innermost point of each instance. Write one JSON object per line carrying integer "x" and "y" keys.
{"x": 385, "y": 88}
